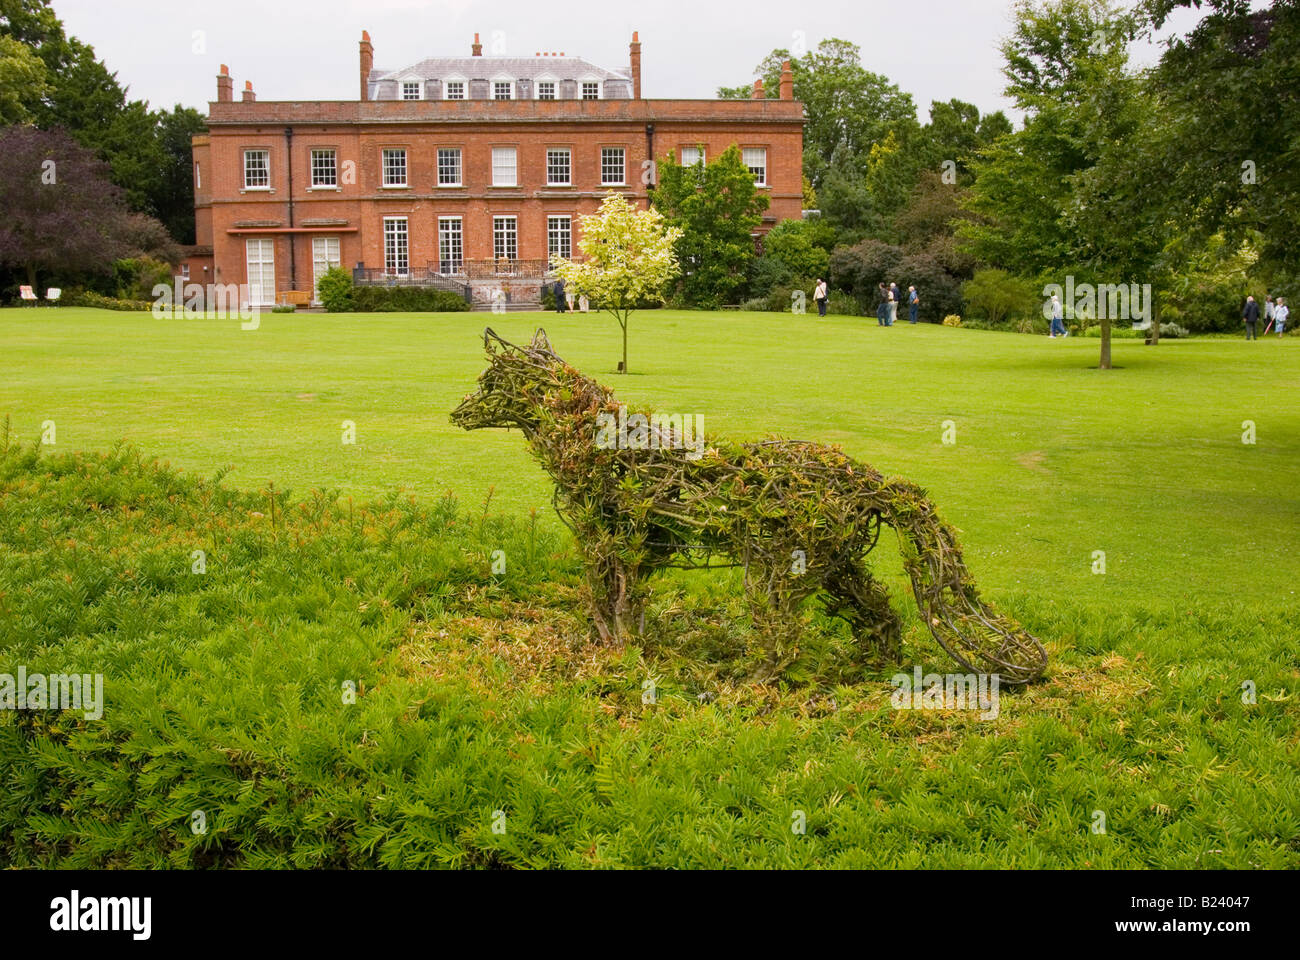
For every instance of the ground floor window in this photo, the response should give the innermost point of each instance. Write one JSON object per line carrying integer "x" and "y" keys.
{"x": 559, "y": 238}
{"x": 451, "y": 246}
{"x": 261, "y": 272}
{"x": 397, "y": 254}
{"x": 324, "y": 257}
{"x": 505, "y": 238}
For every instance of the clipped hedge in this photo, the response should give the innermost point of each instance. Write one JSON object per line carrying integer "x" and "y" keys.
{"x": 406, "y": 300}
{"x": 88, "y": 298}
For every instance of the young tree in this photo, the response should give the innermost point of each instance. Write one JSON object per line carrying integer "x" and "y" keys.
{"x": 628, "y": 260}
{"x": 716, "y": 207}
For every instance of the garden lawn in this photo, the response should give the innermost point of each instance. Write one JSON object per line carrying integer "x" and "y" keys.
{"x": 480, "y": 693}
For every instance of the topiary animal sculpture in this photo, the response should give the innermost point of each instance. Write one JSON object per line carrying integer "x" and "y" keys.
{"x": 799, "y": 517}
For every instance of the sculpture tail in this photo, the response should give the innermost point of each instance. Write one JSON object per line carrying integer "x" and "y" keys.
{"x": 978, "y": 637}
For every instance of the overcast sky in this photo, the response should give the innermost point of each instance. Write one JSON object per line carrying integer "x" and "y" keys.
{"x": 307, "y": 49}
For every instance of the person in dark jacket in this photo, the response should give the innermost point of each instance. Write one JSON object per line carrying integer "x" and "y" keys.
{"x": 560, "y": 302}
{"x": 1251, "y": 316}
{"x": 882, "y": 304}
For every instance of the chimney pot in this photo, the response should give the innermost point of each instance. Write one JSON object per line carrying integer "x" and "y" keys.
{"x": 367, "y": 64}
{"x": 249, "y": 95}
{"x": 635, "y": 58}
{"x": 787, "y": 81}
{"x": 225, "y": 85}
{"x": 477, "y": 49}
{"x": 758, "y": 93}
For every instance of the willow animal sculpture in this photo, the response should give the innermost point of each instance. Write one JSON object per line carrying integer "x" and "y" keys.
{"x": 800, "y": 518}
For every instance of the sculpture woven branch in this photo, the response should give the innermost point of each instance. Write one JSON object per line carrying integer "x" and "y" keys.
{"x": 800, "y": 518}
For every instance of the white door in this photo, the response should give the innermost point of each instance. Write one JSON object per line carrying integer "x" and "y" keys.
{"x": 261, "y": 272}
{"x": 324, "y": 256}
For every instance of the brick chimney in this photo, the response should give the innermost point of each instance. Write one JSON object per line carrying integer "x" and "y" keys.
{"x": 249, "y": 95}
{"x": 758, "y": 93}
{"x": 477, "y": 49}
{"x": 787, "y": 81}
{"x": 636, "y": 64}
{"x": 367, "y": 63}
{"x": 225, "y": 86}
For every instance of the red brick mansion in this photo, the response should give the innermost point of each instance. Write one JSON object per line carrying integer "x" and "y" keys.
{"x": 469, "y": 172}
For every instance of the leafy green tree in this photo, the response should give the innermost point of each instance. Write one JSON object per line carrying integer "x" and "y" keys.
{"x": 1067, "y": 68}
{"x": 173, "y": 193}
{"x": 717, "y": 208}
{"x": 844, "y": 103}
{"x": 1228, "y": 90}
{"x": 22, "y": 81}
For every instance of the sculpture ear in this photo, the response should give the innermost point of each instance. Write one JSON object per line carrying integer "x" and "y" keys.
{"x": 495, "y": 345}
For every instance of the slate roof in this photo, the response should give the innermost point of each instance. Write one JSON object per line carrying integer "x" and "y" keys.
{"x": 489, "y": 68}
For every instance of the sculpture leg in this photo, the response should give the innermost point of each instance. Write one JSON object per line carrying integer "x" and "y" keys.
{"x": 774, "y": 597}
{"x": 862, "y": 601}
{"x": 616, "y": 597}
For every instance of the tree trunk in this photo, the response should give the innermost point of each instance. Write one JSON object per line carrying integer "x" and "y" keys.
{"x": 1155, "y": 321}
{"x": 31, "y": 276}
{"x": 625, "y": 370}
{"x": 1105, "y": 343}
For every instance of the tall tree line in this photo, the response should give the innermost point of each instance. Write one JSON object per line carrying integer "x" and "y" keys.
{"x": 51, "y": 81}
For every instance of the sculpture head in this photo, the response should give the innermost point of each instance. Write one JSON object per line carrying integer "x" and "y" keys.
{"x": 504, "y": 398}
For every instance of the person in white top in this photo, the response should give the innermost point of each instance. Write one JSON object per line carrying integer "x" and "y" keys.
{"x": 820, "y": 295}
{"x": 1280, "y": 315}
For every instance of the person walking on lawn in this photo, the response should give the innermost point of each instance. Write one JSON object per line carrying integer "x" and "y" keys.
{"x": 1281, "y": 314}
{"x": 1251, "y": 316}
{"x": 1057, "y": 322}
{"x": 913, "y": 304}
{"x": 821, "y": 296}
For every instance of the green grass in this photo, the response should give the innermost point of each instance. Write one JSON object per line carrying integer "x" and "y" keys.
{"x": 481, "y": 693}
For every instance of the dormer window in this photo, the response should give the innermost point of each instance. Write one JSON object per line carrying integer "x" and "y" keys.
{"x": 412, "y": 90}
{"x": 546, "y": 90}
{"x": 503, "y": 90}
{"x": 455, "y": 89}
{"x": 591, "y": 89}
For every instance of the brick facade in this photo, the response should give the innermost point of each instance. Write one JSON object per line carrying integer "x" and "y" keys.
{"x": 303, "y": 221}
